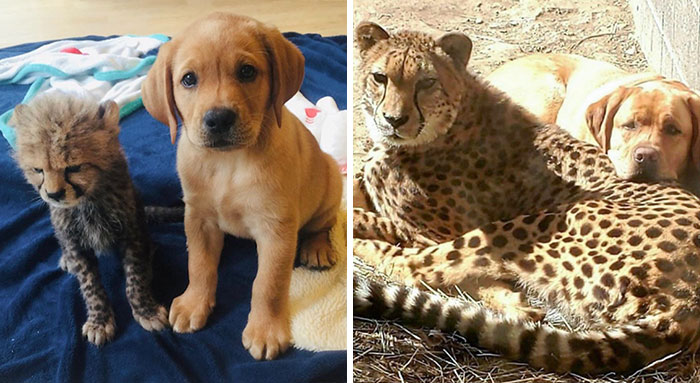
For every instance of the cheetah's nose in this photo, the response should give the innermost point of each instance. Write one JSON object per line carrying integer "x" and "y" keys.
{"x": 395, "y": 121}
{"x": 645, "y": 155}
{"x": 57, "y": 196}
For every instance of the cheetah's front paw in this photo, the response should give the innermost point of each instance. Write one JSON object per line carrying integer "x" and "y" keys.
{"x": 98, "y": 332}
{"x": 153, "y": 319}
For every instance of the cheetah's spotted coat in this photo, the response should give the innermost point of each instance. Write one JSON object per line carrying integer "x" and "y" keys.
{"x": 496, "y": 196}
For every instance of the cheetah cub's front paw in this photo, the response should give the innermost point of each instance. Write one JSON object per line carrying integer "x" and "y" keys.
{"x": 316, "y": 251}
{"x": 98, "y": 332}
{"x": 152, "y": 319}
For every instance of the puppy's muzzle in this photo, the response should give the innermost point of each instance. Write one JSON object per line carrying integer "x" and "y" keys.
{"x": 219, "y": 121}
{"x": 646, "y": 161}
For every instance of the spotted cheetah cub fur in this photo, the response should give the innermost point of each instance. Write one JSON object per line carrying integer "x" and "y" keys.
{"x": 68, "y": 149}
{"x": 466, "y": 187}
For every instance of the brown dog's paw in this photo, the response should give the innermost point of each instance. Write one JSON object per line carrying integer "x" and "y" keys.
{"x": 189, "y": 312}
{"x": 153, "y": 320}
{"x": 98, "y": 332}
{"x": 316, "y": 251}
{"x": 266, "y": 339}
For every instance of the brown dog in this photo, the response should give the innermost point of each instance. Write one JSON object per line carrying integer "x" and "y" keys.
{"x": 648, "y": 125}
{"x": 248, "y": 167}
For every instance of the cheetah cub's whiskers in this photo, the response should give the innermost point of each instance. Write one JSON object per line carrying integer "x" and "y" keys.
{"x": 68, "y": 149}
{"x": 465, "y": 189}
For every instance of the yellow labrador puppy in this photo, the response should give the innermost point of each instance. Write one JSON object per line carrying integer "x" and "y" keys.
{"x": 647, "y": 124}
{"x": 248, "y": 167}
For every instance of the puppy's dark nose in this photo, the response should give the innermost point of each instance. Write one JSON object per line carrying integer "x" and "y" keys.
{"x": 57, "y": 196}
{"x": 645, "y": 155}
{"x": 395, "y": 121}
{"x": 219, "y": 120}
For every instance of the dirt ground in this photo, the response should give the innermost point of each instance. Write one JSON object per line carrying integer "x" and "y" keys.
{"x": 501, "y": 30}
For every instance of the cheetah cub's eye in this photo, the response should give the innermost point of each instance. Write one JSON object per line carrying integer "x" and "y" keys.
{"x": 426, "y": 83}
{"x": 73, "y": 169}
{"x": 380, "y": 78}
{"x": 37, "y": 170}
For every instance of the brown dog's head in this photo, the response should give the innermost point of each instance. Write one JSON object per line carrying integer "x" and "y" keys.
{"x": 649, "y": 131}
{"x": 227, "y": 77}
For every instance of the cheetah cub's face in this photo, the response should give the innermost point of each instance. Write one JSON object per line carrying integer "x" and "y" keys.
{"x": 411, "y": 83}
{"x": 64, "y": 144}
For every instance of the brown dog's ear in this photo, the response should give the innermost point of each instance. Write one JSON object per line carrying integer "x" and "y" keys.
{"x": 458, "y": 46}
{"x": 367, "y": 34}
{"x": 600, "y": 115}
{"x": 694, "y": 107}
{"x": 286, "y": 70}
{"x": 157, "y": 90}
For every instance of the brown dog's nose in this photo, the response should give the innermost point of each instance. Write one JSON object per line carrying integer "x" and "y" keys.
{"x": 395, "y": 121}
{"x": 645, "y": 155}
{"x": 219, "y": 120}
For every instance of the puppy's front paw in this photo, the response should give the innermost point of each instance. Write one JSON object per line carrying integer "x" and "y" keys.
{"x": 152, "y": 319}
{"x": 316, "y": 251}
{"x": 99, "y": 330}
{"x": 189, "y": 311}
{"x": 266, "y": 339}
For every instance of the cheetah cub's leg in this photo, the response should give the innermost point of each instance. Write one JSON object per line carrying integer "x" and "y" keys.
{"x": 99, "y": 326}
{"x": 315, "y": 250}
{"x": 491, "y": 290}
{"x": 137, "y": 260}
{"x": 359, "y": 194}
{"x": 370, "y": 225}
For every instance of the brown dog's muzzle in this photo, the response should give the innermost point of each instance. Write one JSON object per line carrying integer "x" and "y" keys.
{"x": 218, "y": 126}
{"x": 646, "y": 162}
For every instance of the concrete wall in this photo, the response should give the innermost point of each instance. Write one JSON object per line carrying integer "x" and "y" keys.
{"x": 669, "y": 33}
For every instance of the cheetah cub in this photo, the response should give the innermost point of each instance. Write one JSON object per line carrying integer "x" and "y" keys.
{"x": 466, "y": 188}
{"x": 69, "y": 151}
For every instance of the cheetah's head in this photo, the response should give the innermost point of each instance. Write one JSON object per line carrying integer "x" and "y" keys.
{"x": 411, "y": 83}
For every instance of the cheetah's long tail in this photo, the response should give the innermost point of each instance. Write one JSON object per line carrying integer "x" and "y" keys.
{"x": 164, "y": 214}
{"x": 624, "y": 349}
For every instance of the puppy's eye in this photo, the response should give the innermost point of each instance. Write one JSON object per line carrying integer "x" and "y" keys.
{"x": 671, "y": 130}
{"x": 426, "y": 83}
{"x": 630, "y": 125}
{"x": 247, "y": 73}
{"x": 380, "y": 78}
{"x": 73, "y": 169}
{"x": 37, "y": 170}
{"x": 189, "y": 80}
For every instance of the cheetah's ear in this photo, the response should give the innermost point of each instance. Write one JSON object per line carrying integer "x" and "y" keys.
{"x": 600, "y": 115}
{"x": 108, "y": 111}
{"x": 17, "y": 115}
{"x": 458, "y": 46}
{"x": 367, "y": 34}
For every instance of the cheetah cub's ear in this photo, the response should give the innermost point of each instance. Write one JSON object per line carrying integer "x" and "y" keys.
{"x": 458, "y": 46}
{"x": 108, "y": 111}
{"x": 367, "y": 34}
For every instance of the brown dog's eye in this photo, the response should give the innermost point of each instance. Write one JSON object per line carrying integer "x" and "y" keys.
{"x": 189, "y": 80}
{"x": 671, "y": 130}
{"x": 380, "y": 78}
{"x": 247, "y": 73}
{"x": 630, "y": 125}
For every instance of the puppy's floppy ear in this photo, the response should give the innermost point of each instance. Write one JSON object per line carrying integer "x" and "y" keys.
{"x": 600, "y": 115}
{"x": 458, "y": 46}
{"x": 367, "y": 34}
{"x": 694, "y": 107}
{"x": 286, "y": 69}
{"x": 157, "y": 90}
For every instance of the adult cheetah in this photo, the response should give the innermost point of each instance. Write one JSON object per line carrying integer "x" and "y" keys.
{"x": 466, "y": 187}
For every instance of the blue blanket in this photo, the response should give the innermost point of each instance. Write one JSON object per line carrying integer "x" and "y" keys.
{"x": 42, "y": 309}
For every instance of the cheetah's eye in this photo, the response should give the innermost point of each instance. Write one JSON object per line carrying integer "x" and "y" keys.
{"x": 189, "y": 80}
{"x": 380, "y": 78}
{"x": 426, "y": 83}
{"x": 37, "y": 170}
{"x": 671, "y": 130}
{"x": 73, "y": 169}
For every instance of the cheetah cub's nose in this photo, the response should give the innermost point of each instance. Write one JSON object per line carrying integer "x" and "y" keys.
{"x": 57, "y": 196}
